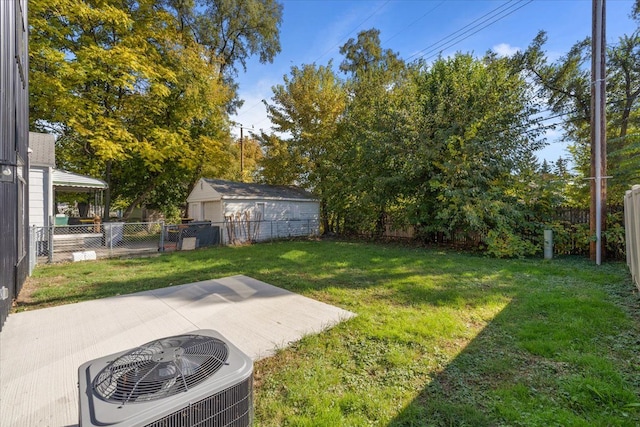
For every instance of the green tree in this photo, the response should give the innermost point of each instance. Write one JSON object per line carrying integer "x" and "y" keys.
{"x": 232, "y": 31}
{"x": 307, "y": 108}
{"x": 281, "y": 163}
{"x": 478, "y": 129}
{"x": 138, "y": 92}
{"x": 566, "y": 85}
{"x": 104, "y": 56}
{"x": 623, "y": 119}
{"x": 379, "y": 123}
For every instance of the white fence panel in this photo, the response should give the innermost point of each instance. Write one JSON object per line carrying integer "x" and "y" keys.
{"x": 632, "y": 231}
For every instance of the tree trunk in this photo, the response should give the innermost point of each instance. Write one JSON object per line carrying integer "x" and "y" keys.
{"x": 107, "y": 193}
{"x": 138, "y": 200}
{"x": 324, "y": 217}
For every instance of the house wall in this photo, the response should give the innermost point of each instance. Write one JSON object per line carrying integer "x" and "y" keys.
{"x": 40, "y": 197}
{"x": 14, "y": 139}
{"x": 632, "y": 231}
{"x": 278, "y": 217}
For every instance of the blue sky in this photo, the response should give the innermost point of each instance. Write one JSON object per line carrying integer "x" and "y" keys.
{"x": 312, "y": 31}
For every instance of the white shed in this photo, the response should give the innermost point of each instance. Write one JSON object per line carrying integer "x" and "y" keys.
{"x": 247, "y": 211}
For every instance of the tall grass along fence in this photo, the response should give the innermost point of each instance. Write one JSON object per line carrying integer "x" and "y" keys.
{"x": 632, "y": 231}
{"x": 119, "y": 239}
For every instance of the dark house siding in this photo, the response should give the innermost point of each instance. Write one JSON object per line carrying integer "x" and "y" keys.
{"x": 14, "y": 160}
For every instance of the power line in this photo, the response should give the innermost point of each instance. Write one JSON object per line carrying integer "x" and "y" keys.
{"x": 250, "y": 108}
{"x": 467, "y": 27}
{"x": 412, "y": 23}
{"x": 338, "y": 44}
{"x": 544, "y": 119}
{"x": 494, "y": 14}
{"x": 442, "y": 46}
{"x": 354, "y": 30}
{"x": 458, "y": 36}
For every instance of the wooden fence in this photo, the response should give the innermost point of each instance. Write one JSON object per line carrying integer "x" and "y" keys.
{"x": 632, "y": 231}
{"x": 570, "y": 226}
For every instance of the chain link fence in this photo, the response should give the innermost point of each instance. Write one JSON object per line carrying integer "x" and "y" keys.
{"x": 89, "y": 241}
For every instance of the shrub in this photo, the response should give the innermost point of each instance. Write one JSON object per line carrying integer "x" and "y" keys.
{"x": 503, "y": 243}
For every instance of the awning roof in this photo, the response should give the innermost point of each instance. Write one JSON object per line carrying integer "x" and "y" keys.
{"x": 73, "y": 182}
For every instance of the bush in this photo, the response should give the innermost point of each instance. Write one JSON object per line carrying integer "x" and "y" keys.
{"x": 505, "y": 244}
{"x": 614, "y": 236}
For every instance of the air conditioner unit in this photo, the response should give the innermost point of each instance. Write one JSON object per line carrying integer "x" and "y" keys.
{"x": 196, "y": 379}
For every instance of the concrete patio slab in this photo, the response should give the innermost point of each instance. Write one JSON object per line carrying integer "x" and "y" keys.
{"x": 41, "y": 350}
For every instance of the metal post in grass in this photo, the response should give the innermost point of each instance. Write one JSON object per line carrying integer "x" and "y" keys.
{"x": 110, "y": 228}
{"x": 548, "y": 244}
{"x": 34, "y": 248}
{"x": 162, "y": 236}
{"x": 50, "y": 244}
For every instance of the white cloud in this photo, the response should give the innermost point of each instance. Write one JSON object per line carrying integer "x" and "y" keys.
{"x": 505, "y": 49}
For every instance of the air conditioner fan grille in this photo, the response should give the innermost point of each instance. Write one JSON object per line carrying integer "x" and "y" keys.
{"x": 160, "y": 368}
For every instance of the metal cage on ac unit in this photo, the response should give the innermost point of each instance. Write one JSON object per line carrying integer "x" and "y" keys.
{"x": 196, "y": 379}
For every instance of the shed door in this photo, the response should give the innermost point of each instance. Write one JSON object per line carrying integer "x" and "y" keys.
{"x": 195, "y": 211}
{"x": 211, "y": 211}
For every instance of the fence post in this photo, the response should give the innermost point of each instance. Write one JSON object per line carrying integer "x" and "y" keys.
{"x": 627, "y": 227}
{"x": 548, "y": 244}
{"x": 33, "y": 250}
{"x": 110, "y": 228}
{"x": 161, "y": 236}
{"x": 632, "y": 231}
{"x": 50, "y": 231}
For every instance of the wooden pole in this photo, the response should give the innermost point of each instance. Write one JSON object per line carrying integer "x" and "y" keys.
{"x": 241, "y": 155}
{"x": 597, "y": 220}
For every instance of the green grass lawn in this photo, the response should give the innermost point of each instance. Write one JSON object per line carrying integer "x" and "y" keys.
{"x": 441, "y": 338}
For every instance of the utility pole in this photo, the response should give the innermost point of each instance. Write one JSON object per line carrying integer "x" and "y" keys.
{"x": 242, "y": 128}
{"x": 241, "y": 154}
{"x": 597, "y": 218}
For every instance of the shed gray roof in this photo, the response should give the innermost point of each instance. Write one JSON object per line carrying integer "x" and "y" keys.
{"x": 232, "y": 189}
{"x": 43, "y": 149}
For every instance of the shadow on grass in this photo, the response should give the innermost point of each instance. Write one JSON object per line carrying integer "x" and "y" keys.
{"x": 301, "y": 267}
{"x": 558, "y": 354}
